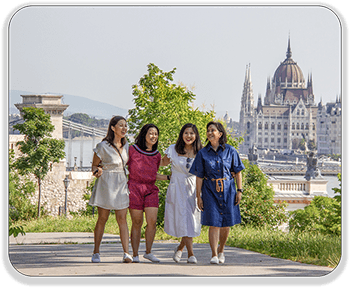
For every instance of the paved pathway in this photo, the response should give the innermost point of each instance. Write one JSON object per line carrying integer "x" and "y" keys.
{"x": 36, "y": 258}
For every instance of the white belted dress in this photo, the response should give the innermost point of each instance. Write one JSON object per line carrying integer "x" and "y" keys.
{"x": 182, "y": 215}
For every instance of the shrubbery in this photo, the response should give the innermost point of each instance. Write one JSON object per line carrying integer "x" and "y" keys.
{"x": 257, "y": 204}
{"x": 323, "y": 215}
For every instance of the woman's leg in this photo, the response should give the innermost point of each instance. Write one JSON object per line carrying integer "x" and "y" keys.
{"x": 214, "y": 239}
{"x": 123, "y": 228}
{"x": 103, "y": 215}
{"x": 224, "y": 232}
{"x": 135, "y": 235}
{"x": 151, "y": 219}
{"x": 188, "y": 241}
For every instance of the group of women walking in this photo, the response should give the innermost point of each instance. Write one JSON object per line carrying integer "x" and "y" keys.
{"x": 202, "y": 188}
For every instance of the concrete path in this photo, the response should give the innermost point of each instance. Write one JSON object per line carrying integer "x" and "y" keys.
{"x": 34, "y": 257}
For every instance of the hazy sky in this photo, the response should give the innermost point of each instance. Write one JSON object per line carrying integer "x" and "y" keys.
{"x": 99, "y": 52}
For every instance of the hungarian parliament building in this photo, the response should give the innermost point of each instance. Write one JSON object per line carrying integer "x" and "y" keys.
{"x": 288, "y": 116}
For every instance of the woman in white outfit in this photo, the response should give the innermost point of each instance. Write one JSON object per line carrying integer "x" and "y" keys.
{"x": 182, "y": 215}
{"x": 111, "y": 190}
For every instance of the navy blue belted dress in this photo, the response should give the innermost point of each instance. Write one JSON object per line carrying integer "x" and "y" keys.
{"x": 218, "y": 189}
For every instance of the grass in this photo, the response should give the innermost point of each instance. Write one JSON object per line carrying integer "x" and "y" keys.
{"x": 309, "y": 248}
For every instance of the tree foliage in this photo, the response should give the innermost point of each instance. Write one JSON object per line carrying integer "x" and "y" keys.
{"x": 322, "y": 215}
{"x": 169, "y": 106}
{"x": 257, "y": 204}
{"x": 39, "y": 149}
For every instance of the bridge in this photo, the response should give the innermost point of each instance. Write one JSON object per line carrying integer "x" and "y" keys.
{"x": 70, "y": 126}
{"x": 85, "y": 130}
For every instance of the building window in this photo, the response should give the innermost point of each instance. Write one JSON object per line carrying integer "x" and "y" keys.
{"x": 273, "y": 125}
{"x": 259, "y": 126}
{"x": 293, "y": 126}
{"x": 285, "y": 126}
{"x": 248, "y": 125}
{"x": 266, "y": 126}
{"x": 260, "y": 140}
{"x": 278, "y": 140}
{"x": 266, "y": 140}
{"x": 313, "y": 126}
{"x": 302, "y": 112}
{"x": 307, "y": 126}
{"x": 302, "y": 126}
{"x": 285, "y": 140}
{"x": 297, "y": 126}
{"x": 272, "y": 140}
{"x": 298, "y": 112}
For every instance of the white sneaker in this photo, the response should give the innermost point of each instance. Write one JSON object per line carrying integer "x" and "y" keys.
{"x": 151, "y": 257}
{"x": 135, "y": 259}
{"x": 221, "y": 257}
{"x": 127, "y": 258}
{"x": 192, "y": 260}
{"x": 177, "y": 255}
{"x": 95, "y": 258}
{"x": 214, "y": 260}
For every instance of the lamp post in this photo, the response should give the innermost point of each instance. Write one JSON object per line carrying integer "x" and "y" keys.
{"x": 66, "y": 184}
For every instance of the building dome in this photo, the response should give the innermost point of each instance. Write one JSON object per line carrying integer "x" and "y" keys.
{"x": 288, "y": 74}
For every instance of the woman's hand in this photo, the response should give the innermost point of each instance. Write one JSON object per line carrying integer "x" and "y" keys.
{"x": 238, "y": 198}
{"x": 98, "y": 172}
{"x": 200, "y": 203}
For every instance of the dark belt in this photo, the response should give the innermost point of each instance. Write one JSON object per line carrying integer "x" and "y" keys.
{"x": 221, "y": 180}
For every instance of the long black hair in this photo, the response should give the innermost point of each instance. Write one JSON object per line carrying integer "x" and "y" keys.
{"x": 223, "y": 138}
{"x": 180, "y": 143}
{"x": 110, "y": 133}
{"x": 140, "y": 140}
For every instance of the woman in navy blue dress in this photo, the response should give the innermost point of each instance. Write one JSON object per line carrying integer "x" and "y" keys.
{"x": 217, "y": 197}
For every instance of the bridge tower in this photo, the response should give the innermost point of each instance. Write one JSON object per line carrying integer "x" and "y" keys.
{"x": 51, "y": 104}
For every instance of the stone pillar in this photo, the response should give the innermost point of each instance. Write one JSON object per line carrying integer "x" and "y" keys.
{"x": 51, "y": 104}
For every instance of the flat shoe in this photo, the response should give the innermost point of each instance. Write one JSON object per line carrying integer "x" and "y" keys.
{"x": 135, "y": 259}
{"x": 221, "y": 257}
{"x": 127, "y": 258}
{"x": 95, "y": 258}
{"x": 214, "y": 260}
{"x": 192, "y": 260}
{"x": 151, "y": 257}
{"x": 177, "y": 255}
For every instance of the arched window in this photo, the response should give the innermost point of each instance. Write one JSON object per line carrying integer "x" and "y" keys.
{"x": 248, "y": 125}
{"x": 259, "y": 126}
{"x": 302, "y": 112}
{"x": 298, "y": 112}
{"x": 273, "y": 125}
{"x": 279, "y": 126}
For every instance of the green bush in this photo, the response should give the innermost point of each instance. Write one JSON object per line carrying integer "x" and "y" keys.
{"x": 323, "y": 215}
{"x": 257, "y": 204}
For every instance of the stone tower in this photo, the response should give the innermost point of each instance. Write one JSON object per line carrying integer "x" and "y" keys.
{"x": 51, "y": 104}
{"x": 247, "y": 113}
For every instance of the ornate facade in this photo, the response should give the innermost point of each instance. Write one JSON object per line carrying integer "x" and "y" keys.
{"x": 288, "y": 114}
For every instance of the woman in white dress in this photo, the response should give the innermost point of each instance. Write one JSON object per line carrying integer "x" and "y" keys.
{"x": 182, "y": 215}
{"x": 111, "y": 190}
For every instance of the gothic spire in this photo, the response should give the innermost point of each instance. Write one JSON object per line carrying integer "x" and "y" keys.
{"x": 289, "y": 50}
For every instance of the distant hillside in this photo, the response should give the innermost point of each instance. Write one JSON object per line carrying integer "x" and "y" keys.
{"x": 77, "y": 104}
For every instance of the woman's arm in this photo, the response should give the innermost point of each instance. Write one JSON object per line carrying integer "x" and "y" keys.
{"x": 95, "y": 162}
{"x": 162, "y": 177}
{"x": 165, "y": 161}
{"x": 199, "y": 183}
{"x": 238, "y": 178}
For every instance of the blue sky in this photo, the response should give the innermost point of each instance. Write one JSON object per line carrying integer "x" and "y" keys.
{"x": 99, "y": 52}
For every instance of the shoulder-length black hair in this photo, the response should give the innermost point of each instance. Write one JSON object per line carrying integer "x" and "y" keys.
{"x": 140, "y": 140}
{"x": 223, "y": 138}
{"x": 110, "y": 133}
{"x": 180, "y": 143}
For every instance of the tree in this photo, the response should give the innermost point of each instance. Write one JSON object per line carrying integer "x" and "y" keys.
{"x": 322, "y": 215}
{"x": 169, "y": 106}
{"x": 257, "y": 204}
{"x": 39, "y": 150}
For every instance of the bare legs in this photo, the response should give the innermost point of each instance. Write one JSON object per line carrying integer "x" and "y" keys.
{"x": 137, "y": 221}
{"x": 188, "y": 242}
{"x": 103, "y": 215}
{"x": 217, "y": 234}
